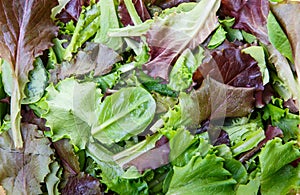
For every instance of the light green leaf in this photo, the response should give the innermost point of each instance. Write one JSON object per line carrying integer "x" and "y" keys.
{"x": 108, "y": 20}
{"x": 52, "y": 180}
{"x": 232, "y": 34}
{"x": 278, "y": 38}
{"x": 123, "y": 114}
{"x": 56, "y": 10}
{"x": 249, "y": 38}
{"x": 258, "y": 54}
{"x": 202, "y": 176}
{"x": 275, "y": 151}
{"x": 71, "y": 110}
{"x": 131, "y": 31}
{"x": 182, "y": 72}
{"x": 279, "y": 177}
{"x": 186, "y": 113}
{"x": 218, "y": 37}
{"x": 185, "y": 139}
{"x": 38, "y": 79}
{"x": 87, "y": 25}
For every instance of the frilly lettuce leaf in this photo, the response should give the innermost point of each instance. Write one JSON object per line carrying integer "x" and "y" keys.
{"x": 25, "y": 169}
{"x": 202, "y": 176}
{"x": 170, "y": 36}
{"x": 29, "y": 31}
{"x": 279, "y": 177}
{"x": 87, "y": 26}
{"x": 71, "y": 110}
{"x": 182, "y": 72}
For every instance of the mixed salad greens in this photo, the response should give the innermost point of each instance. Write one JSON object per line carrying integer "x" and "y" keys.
{"x": 149, "y": 97}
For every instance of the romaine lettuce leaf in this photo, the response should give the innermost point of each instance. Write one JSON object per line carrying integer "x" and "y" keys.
{"x": 119, "y": 119}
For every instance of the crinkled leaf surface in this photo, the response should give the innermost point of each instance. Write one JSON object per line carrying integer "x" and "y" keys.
{"x": 26, "y": 30}
{"x": 218, "y": 100}
{"x": 250, "y": 16}
{"x": 82, "y": 184}
{"x": 95, "y": 57}
{"x": 125, "y": 113}
{"x": 233, "y": 67}
{"x": 71, "y": 110}
{"x": 280, "y": 176}
{"x": 22, "y": 170}
{"x": 170, "y": 36}
{"x": 202, "y": 176}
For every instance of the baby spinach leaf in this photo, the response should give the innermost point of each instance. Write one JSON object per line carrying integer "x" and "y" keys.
{"x": 123, "y": 114}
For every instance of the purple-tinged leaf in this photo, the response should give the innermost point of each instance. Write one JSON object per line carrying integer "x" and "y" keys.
{"x": 170, "y": 36}
{"x": 26, "y": 31}
{"x": 153, "y": 158}
{"x": 217, "y": 100}
{"x": 82, "y": 184}
{"x": 140, "y": 8}
{"x": 164, "y": 4}
{"x": 232, "y": 67}
{"x": 72, "y": 10}
{"x": 250, "y": 16}
{"x": 270, "y": 134}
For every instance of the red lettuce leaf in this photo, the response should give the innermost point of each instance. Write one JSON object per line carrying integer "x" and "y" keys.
{"x": 232, "y": 67}
{"x": 250, "y": 16}
{"x": 140, "y": 8}
{"x": 270, "y": 134}
{"x": 26, "y": 30}
{"x": 72, "y": 10}
{"x": 170, "y": 36}
{"x": 153, "y": 158}
{"x": 82, "y": 184}
{"x": 218, "y": 100}
{"x": 164, "y": 4}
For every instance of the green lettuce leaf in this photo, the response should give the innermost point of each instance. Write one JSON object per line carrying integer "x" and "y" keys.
{"x": 202, "y": 176}
{"x": 52, "y": 180}
{"x": 279, "y": 177}
{"x": 87, "y": 26}
{"x": 217, "y": 39}
{"x": 71, "y": 110}
{"x": 108, "y": 20}
{"x": 283, "y": 119}
{"x": 25, "y": 169}
{"x": 278, "y": 38}
{"x": 123, "y": 114}
{"x": 182, "y": 72}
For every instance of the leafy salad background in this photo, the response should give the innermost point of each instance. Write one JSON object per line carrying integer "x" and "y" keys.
{"x": 149, "y": 97}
